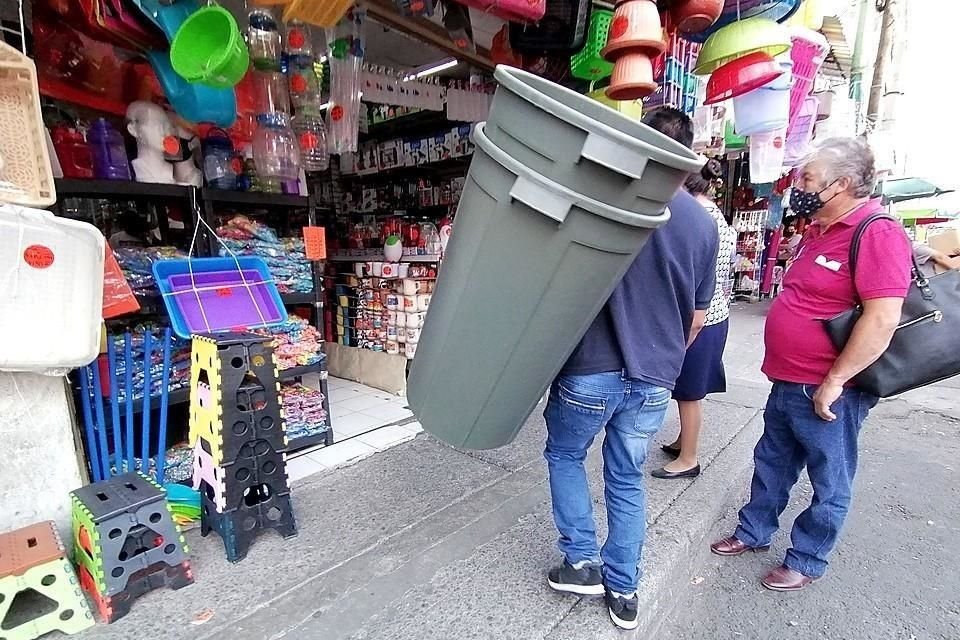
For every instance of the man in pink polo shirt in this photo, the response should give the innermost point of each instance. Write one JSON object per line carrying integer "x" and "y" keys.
{"x": 813, "y": 415}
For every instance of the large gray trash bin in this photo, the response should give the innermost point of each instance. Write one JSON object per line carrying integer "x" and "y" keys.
{"x": 529, "y": 265}
{"x": 584, "y": 145}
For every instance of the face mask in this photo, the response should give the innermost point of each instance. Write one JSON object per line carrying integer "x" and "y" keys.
{"x": 806, "y": 203}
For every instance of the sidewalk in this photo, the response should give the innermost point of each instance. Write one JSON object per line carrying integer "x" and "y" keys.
{"x": 425, "y": 541}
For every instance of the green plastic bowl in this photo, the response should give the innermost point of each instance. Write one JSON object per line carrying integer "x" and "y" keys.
{"x": 208, "y": 48}
{"x": 740, "y": 38}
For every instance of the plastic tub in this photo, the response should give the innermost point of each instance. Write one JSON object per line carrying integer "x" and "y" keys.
{"x": 220, "y": 294}
{"x": 761, "y": 110}
{"x": 556, "y": 255}
{"x": 584, "y": 145}
{"x": 51, "y": 275}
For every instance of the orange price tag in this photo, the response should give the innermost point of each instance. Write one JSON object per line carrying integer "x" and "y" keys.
{"x": 315, "y": 243}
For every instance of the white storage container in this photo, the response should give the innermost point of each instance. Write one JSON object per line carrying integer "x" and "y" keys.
{"x": 51, "y": 291}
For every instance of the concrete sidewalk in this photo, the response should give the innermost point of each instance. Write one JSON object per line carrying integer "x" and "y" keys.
{"x": 426, "y": 541}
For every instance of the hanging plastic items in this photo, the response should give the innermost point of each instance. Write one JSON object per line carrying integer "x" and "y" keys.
{"x": 345, "y": 52}
{"x": 312, "y": 138}
{"x": 263, "y": 40}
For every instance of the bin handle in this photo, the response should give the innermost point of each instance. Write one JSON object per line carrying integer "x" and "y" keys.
{"x": 607, "y": 153}
{"x": 539, "y": 198}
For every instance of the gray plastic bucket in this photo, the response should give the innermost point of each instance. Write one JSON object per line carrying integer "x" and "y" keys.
{"x": 529, "y": 265}
{"x": 585, "y": 145}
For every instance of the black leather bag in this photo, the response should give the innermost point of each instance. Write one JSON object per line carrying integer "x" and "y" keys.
{"x": 926, "y": 345}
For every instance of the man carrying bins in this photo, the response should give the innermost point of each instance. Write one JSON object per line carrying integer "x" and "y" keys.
{"x": 620, "y": 378}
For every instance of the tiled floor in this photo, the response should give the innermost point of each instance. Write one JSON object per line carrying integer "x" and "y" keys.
{"x": 363, "y": 424}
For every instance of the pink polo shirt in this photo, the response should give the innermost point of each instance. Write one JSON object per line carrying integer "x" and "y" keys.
{"x": 818, "y": 286}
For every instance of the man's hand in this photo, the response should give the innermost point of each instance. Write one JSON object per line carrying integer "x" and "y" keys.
{"x": 827, "y": 393}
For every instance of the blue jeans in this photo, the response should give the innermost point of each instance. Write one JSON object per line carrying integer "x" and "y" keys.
{"x": 794, "y": 436}
{"x": 578, "y": 409}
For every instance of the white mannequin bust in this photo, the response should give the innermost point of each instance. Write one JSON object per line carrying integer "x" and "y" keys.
{"x": 186, "y": 171}
{"x": 149, "y": 124}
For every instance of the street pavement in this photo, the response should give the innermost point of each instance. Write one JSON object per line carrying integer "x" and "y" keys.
{"x": 426, "y": 541}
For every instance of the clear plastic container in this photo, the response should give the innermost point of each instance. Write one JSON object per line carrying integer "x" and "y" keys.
{"x": 220, "y": 162}
{"x": 263, "y": 40}
{"x": 276, "y": 153}
{"x": 299, "y": 40}
{"x": 271, "y": 95}
{"x": 312, "y": 138}
{"x": 109, "y": 152}
{"x": 304, "y": 83}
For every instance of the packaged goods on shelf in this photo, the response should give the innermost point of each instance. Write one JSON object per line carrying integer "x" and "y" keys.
{"x": 296, "y": 343}
{"x": 179, "y": 361}
{"x": 137, "y": 265}
{"x": 303, "y": 410}
{"x": 285, "y": 257}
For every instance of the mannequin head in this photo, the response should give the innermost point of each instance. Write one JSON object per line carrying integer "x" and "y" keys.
{"x": 150, "y": 125}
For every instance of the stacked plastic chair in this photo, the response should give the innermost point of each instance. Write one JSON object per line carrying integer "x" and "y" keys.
{"x": 239, "y": 437}
{"x": 126, "y": 543}
{"x": 33, "y": 559}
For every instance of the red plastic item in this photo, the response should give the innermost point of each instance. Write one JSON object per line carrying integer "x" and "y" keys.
{"x": 632, "y": 77}
{"x": 73, "y": 152}
{"x": 741, "y": 76}
{"x": 694, "y": 16}
{"x": 635, "y": 28}
{"x": 118, "y": 297}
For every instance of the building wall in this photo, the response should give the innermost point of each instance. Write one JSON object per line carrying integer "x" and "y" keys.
{"x": 38, "y": 453}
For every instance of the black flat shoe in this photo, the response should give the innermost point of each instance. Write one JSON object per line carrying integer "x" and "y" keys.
{"x": 663, "y": 474}
{"x": 670, "y": 451}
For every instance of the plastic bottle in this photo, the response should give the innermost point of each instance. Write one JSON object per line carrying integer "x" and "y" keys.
{"x": 109, "y": 152}
{"x": 277, "y": 156}
{"x": 312, "y": 138}
{"x": 220, "y": 162}
{"x": 263, "y": 40}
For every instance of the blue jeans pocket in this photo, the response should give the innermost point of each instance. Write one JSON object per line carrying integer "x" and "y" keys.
{"x": 581, "y": 411}
{"x": 649, "y": 417}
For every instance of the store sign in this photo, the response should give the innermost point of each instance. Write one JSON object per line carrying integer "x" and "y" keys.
{"x": 315, "y": 243}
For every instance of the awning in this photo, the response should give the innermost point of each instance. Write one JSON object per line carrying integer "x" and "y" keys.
{"x": 839, "y": 62}
{"x": 895, "y": 190}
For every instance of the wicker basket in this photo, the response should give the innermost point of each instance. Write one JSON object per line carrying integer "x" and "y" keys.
{"x": 25, "y": 174}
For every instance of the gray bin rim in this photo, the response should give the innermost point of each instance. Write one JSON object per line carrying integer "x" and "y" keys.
{"x": 538, "y": 91}
{"x": 557, "y": 194}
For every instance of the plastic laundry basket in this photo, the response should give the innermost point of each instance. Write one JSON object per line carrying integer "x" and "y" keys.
{"x": 528, "y": 267}
{"x": 586, "y": 146}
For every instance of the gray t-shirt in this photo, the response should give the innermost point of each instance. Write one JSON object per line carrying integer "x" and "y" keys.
{"x": 924, "y": 256}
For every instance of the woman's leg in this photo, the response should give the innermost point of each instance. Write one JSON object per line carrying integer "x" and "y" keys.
{"x": 691, "y": 420}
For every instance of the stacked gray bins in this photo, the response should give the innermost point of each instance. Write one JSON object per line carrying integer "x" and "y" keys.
{"x": 531, "y": 260}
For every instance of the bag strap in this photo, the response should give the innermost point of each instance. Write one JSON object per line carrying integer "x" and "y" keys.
{"x": 917, "y": 275}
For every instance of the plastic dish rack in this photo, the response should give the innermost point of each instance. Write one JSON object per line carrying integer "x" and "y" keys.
{"x": 588, "y": 64}
{"x": 222, "y": 294}
{"x": 25, "y": 174}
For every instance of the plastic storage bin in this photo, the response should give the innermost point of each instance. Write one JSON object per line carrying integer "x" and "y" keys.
{"x": 761, "y": 110}
{"x": 51, "y": 275}
{"x": 206, "y": 295}
{"x": 767, "y": 152}
{"x": 588, "y": 64}
{"x": 555, "y": 255}
{"x": 584, "y": 145}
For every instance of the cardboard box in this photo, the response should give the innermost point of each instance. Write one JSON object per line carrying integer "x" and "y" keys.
{"x": 947, "y": 242}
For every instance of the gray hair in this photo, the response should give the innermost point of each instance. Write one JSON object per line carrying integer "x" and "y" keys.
{"x": 850, "y": 158}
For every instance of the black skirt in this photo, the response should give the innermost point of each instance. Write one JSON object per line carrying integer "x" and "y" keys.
{"x": 702, "y": 371}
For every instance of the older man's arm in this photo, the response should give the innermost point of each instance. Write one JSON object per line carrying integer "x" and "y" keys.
{"x": 870, "y": 338}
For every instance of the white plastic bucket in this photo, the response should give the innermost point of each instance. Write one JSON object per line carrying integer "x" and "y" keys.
{"x": 761, "y": 111}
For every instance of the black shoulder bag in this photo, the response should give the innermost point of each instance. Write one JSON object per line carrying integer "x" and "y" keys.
{"x": 926, "y": 345}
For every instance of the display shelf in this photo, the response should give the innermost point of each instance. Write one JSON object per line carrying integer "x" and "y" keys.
{"x": 380, "y": 258}
{"x": 413, "y": 125}
{"x": 71, "y": 93}
{"x": 255, "y": 198}
{"x": 324, "y": 437}
{"x": 78, "y": 188}
{"x": 299, "y": 298}
{"x": 299, "y": 372}
{"x": 450, "y": 166}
